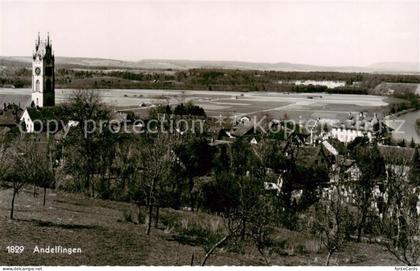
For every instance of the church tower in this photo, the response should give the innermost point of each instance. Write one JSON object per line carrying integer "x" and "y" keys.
{"x": 43, "y": 80}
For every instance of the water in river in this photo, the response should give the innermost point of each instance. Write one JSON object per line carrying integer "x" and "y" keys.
{"x": 327, "y": 83}
{"x": 407, "y": 131}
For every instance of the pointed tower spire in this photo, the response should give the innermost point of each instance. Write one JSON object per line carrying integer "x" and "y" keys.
{"x": 48, "y": 38}
{"x": 37, "y": 43}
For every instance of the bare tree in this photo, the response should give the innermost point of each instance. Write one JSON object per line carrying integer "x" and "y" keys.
{"x": 156, "y": 158}
{"x": 43, "y": 169}
{"x": 257, "y": 231}
{"x": 3, "y": 158}
{"x": 260, "y": 225}
{"x": 126, "y": 163}
{"x": 372, "y": 171}
{"x": 22, "y": 162}
{"x": 233, "y": 230}
{"x": 250, "y": 219}
{"x": 332, "y": 218}
{"x": 399, "y": 228}
{"x": 84, "y": 144}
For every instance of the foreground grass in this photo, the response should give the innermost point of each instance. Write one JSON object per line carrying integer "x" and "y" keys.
{"x": 101, "y": 229}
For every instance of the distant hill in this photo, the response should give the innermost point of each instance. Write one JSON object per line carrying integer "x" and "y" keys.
{"x": 396, "y": 66}
{"x": 164, "y": 64}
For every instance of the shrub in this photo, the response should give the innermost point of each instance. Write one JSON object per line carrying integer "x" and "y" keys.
{"x": 170, "y": 220}
{"x": 126, "y": 216}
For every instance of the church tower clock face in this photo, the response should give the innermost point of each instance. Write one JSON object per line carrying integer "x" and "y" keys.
{"x": 37, "y": 71}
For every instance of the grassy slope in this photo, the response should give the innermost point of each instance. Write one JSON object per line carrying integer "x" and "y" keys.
{"x": 96, "y": 226}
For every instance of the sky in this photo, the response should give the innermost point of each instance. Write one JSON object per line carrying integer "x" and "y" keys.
{"x": 330, "y": 33}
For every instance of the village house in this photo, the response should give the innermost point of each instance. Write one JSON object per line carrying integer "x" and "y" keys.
{"x": 41, "y": 119}
{"x": 314, "y": 157}
{"x": 247, "y": 128}
{"x": 357, "y": 126}
{"x": 398, "y": 161}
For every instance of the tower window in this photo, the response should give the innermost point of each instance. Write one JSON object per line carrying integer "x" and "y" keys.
{"x": 37, "y": 86}
{"x": 48, "y": 86}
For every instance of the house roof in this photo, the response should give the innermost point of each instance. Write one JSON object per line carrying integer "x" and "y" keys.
{"x": 220, "y": 142}
{"x": 242, "y": 130}
{"x": 329, "y": 148}
{"x": 359, "y": 122}
{"x": 47, "y": 113}
{"x": 308, "y": 155}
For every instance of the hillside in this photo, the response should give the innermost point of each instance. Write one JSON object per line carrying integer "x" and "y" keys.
{"x": 152, "y": 64}
{"x": 105, "y": 235}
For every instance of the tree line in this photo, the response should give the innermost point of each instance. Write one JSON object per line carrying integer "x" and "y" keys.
{"x": 208, "y": 79}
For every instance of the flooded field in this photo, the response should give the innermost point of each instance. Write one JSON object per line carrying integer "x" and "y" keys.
{"x": 327, "y": 83}
{"x": 301, "y": 105}
{"x": 276, "y": 105}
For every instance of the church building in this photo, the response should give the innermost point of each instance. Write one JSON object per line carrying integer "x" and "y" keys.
{"x": 43, "y": 80}
{"x": 43, "y": 85}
